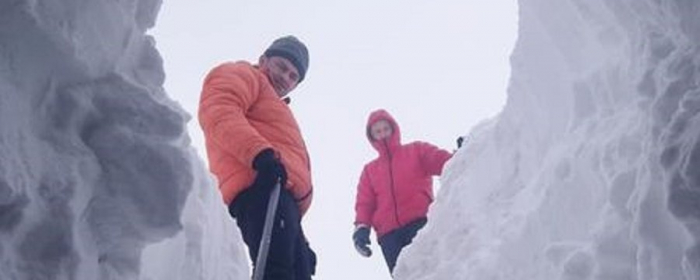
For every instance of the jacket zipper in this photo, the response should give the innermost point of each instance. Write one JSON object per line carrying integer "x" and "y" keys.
{"x": 392, "y": 187}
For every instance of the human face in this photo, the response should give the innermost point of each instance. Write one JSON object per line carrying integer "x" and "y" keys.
{"x": 380, "y": 130}
{"x": 281, "y": 73}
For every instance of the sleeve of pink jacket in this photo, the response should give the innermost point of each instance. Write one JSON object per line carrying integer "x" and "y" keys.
{"x": 365, "y": 202}
{"x": 433, "y": 159}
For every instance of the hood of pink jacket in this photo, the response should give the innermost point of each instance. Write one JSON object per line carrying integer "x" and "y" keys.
{"x": 388, "y": 144}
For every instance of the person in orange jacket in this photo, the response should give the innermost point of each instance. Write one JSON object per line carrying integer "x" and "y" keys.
{"x": 395, "y": 189}
{"x": 253, "y": 141}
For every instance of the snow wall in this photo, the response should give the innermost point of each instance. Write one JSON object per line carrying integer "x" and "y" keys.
{"x": 95, "y": 161}
{"x": 592, "y": 170}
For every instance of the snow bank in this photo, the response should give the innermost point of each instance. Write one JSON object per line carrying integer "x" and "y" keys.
{"x": 95, "y": 163}
{"x": 592, "y": 170}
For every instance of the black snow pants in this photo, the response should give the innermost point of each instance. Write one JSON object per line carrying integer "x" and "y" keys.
{"x": 290, "y": 257}
{"x": 395, "y": 240}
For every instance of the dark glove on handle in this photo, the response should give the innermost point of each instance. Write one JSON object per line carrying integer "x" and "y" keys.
{"x": 460, "y": 140}
{"x": 361, "y": 239}
{"x": 269, "y": 169}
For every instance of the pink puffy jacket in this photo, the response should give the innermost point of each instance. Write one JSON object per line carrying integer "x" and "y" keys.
{"x": 396, "y": 188}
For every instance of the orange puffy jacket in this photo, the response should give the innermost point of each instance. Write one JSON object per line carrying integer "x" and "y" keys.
{"x": 241, "y": 115}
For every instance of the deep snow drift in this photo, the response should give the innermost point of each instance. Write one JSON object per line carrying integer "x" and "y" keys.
{"x": 95, "y": 162}
{"x": 592, "y": 170}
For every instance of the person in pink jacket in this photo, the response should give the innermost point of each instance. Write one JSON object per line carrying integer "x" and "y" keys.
{"x": 395, "y": 189}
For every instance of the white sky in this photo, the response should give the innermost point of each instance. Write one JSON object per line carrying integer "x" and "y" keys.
{"x": 438, "y": 66}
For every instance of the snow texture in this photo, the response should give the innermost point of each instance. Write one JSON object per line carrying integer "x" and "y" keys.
{"x": 95, "y": 162}
{"x": 592, "y": 170}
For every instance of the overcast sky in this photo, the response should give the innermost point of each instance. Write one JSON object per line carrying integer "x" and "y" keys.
{"x": 439, "y": 67}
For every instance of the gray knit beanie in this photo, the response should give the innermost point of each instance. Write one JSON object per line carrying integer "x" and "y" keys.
{"x": 293, "y": 50}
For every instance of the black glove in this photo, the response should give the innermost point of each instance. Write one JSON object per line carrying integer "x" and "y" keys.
{"x": 269, "y": 169}
{"x": 361, "y": 239}
{"x": 460, "y": 140}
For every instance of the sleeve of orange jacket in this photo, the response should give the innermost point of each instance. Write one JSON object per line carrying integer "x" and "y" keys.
{"x": 365, "y": 202}
{"x": 228, "y": 92}
{"x": 433, "y": 159}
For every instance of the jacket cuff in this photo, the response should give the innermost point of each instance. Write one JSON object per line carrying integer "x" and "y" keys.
{"x": 359, "y": 226}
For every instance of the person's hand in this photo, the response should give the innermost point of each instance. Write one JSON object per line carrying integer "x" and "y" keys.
{"x": 270, "y": 170}
{"x": 460, "y": 140}
{"x": 361, "y": 239}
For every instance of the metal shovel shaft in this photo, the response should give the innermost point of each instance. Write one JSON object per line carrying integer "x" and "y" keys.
{"x": 259, "y": 270}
